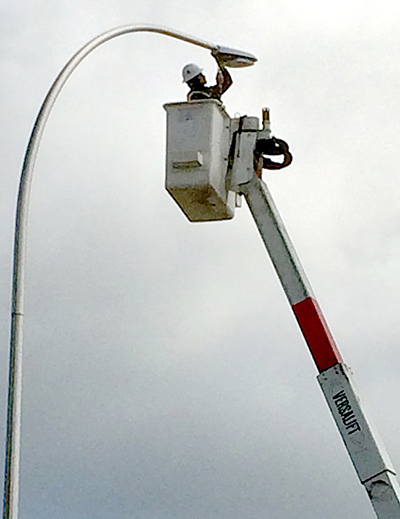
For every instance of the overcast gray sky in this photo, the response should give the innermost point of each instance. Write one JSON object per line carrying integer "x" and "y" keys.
{"x": 164, "y": 374}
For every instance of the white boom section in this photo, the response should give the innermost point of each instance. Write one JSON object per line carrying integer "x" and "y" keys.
{"x": 365, "y": 449}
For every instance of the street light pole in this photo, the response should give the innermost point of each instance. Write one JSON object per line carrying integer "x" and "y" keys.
{"x": 231, "y": 57}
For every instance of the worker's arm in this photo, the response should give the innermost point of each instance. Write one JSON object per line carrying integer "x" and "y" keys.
{"x": 224, "y": 81}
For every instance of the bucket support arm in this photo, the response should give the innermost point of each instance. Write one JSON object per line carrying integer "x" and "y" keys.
{"x": 365, "y": 449}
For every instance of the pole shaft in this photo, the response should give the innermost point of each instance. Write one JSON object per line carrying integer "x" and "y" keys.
{"x": 12, "y": 461}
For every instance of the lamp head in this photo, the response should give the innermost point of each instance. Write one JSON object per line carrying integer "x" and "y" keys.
{"x": 233, "y": 57}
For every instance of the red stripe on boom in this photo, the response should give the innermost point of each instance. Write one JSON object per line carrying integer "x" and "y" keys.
{"x": 317, "y": 334}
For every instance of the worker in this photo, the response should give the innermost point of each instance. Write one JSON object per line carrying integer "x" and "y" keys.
{"x": 196, "y": 81}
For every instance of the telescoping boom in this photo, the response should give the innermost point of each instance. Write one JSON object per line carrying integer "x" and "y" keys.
{"x": 211, "y": 159}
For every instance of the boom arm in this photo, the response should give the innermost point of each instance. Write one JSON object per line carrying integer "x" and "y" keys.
{"x": 210, "y": 157}
{"x": 366, "y": 451}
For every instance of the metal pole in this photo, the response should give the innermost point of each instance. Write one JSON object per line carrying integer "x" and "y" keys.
{"x": 12, "y": 462}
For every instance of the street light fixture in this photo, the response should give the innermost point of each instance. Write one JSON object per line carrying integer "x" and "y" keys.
{"x": 232, "y": 57}
{"x": 229, "y": 57}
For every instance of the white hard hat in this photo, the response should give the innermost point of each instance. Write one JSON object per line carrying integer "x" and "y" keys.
{"x": 190, "y": 71}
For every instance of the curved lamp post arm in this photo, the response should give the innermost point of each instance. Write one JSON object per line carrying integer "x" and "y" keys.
{"x": 11, "y": 483}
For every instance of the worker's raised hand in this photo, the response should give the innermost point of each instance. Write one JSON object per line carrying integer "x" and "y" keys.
{"x": 218, "y": 59}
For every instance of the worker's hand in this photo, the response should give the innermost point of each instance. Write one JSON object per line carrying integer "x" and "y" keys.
{"x": 218, "y": 60}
